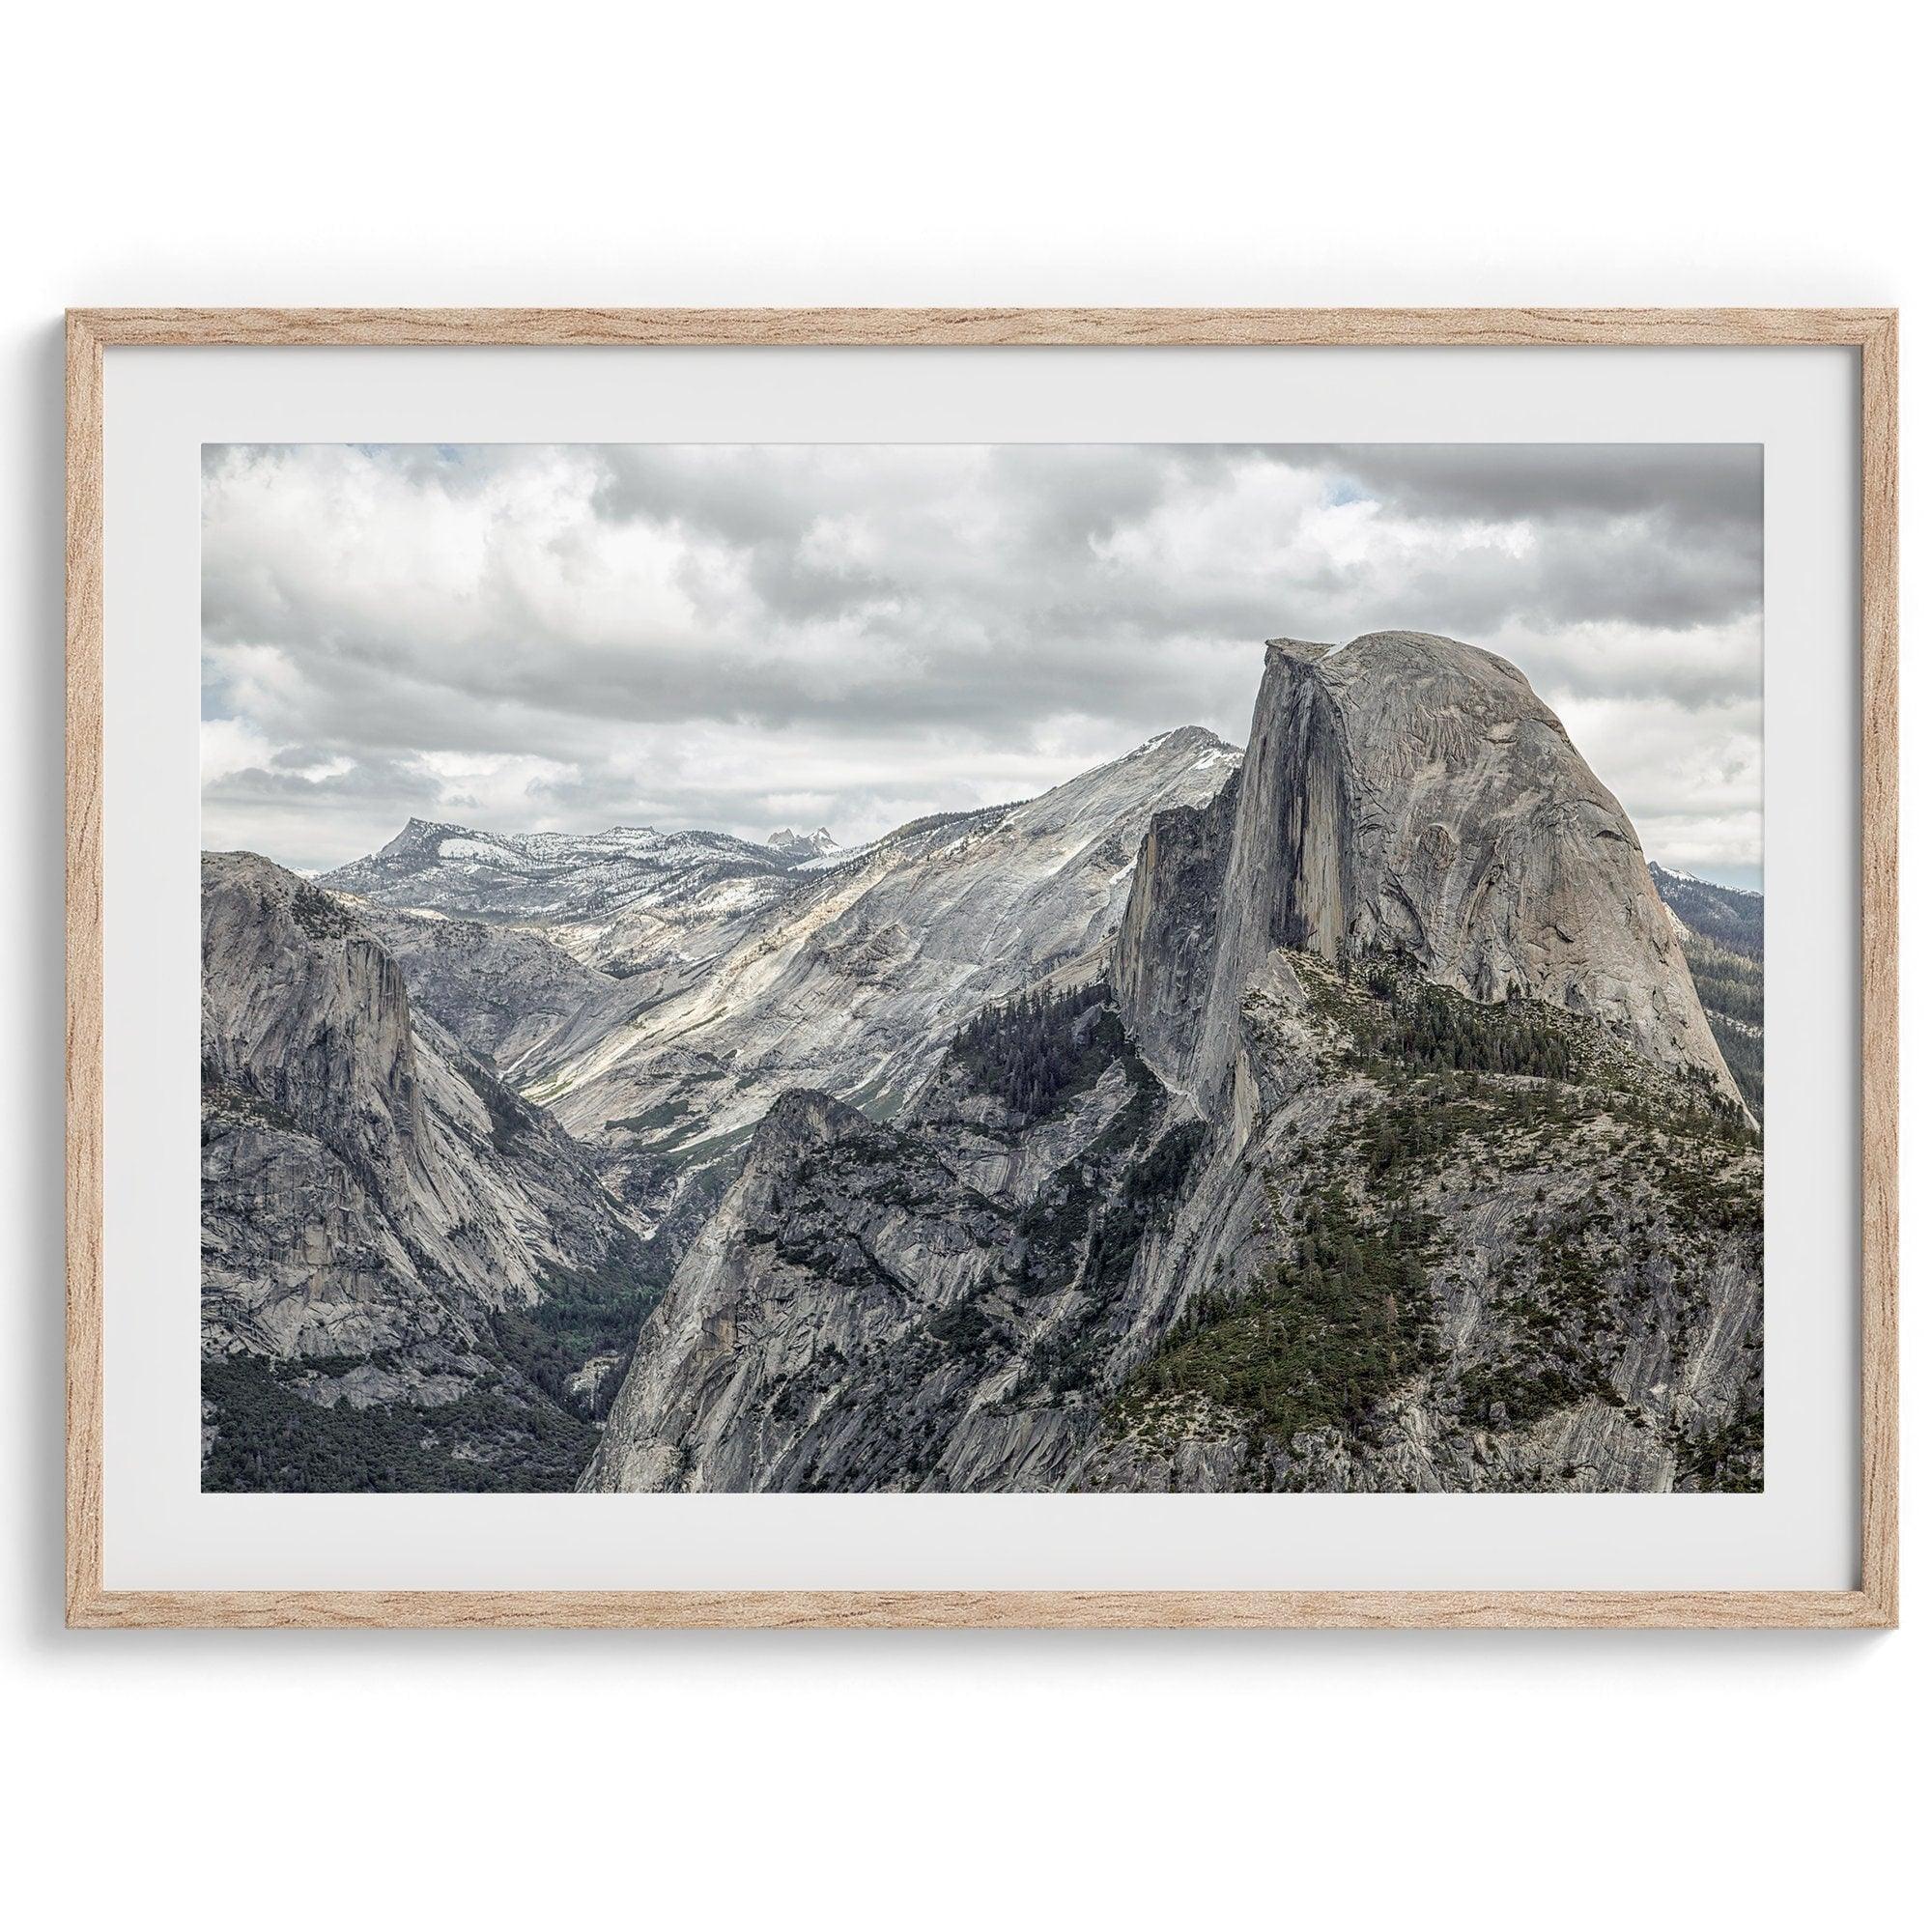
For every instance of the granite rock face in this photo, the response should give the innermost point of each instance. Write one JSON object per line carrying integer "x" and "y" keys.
{"x": 857, "y": 981}
{"x": 906, "y": 1306}
{"x": 756, "y": 1376}
{"x": 370, "y": 1192}
{"x": 1342, "y": 1114}
{"x": 1385, "y": 1145}
{"x": 1410, "y": 795}
{"x": 512, "y": 996}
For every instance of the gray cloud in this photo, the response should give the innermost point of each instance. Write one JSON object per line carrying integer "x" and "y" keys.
{"x": 735, "y": 636}
{"x": 1694, "y": 484}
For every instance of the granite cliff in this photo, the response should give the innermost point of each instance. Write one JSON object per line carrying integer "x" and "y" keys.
{"x": 1386, "y": 1146}
{"x": 1342, "y": 1113}
{"x": 385, "y": 1224}
{"x": 1408, "y": 795}
{"x": 856, "y": 983}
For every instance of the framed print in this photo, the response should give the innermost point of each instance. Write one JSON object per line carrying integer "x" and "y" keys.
{"x": 1024, "y": 967}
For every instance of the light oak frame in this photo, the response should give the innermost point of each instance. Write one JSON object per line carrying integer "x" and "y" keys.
{"x": 1872, "y": 332}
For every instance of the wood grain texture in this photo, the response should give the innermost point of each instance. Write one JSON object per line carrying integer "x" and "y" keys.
{"x": 85, "y": 993}
{"x": 1044, "y": 327}
{"x": 1874, "y": 332}
{"x": 996, "y": 1609}
{"x": 1879, "y": 947}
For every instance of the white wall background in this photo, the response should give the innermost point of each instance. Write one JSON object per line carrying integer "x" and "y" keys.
{"x": 998, "y": 153}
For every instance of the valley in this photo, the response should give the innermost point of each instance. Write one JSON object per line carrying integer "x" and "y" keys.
{"x": 1356, "y": 1110}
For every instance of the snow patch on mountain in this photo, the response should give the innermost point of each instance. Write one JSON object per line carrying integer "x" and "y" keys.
{"x": 802, "y": 845}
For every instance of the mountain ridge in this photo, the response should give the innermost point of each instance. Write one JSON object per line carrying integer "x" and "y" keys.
{"x": 1352, "y": 1110}
{"x": 382, "y": 1218}
{"x": 673, "y": 1021}
{"x": 1722, "y": 930}
{"x": 799, "y": 846}
{"x": 1192, "y": 1170}
{"x": 1412, "y": 792}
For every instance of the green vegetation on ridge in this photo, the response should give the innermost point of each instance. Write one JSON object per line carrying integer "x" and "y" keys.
{"x": 1608, "y": 1193}
{"x": 1032, "y": 1053}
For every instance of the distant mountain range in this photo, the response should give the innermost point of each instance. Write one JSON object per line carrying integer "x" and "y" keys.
{"x": 799, "y": 847}
{"x": 1354, "y": 1111}
{"x": 1725, "y": 914}
{"x": 1722, "y": 934}
{"x": 658, "y": 992}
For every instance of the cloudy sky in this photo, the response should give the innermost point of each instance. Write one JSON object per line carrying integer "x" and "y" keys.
{"x": 525, "y": 637}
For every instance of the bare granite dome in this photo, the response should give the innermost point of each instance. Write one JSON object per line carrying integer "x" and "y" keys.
{"x": 1408, "y": 794}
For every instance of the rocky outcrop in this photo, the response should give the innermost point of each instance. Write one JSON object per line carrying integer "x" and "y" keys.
{"x": 857, "y": 983}
{"x": 935, "y": 1304}
{"x": 1338, "y": 1115}
{"x": 1384, "y": 1147}
{"x": 800, "y": 847}
{"x": 447, "y": 1194}
{"x": 1409, "y": 795}
{"x": 1164, "y": 955}
{"x": 514, "y": 998}
{"x": 371, "y": 1194}
{"x": 816, "y": 1283}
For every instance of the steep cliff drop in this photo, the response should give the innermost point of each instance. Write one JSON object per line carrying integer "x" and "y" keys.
{"x": 403, "y": 1264}
{"x": 1387, "y": 1146}
{"x": 1409, "y": 796}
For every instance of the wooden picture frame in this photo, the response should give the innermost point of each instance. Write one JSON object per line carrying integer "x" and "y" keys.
{"x": 1871, "y": 333}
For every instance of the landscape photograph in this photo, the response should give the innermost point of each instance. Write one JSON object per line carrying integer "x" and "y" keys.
{"x": 986, "y": 969}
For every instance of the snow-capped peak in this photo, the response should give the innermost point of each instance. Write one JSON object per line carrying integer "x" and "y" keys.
{"x": 815, "y": 844}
